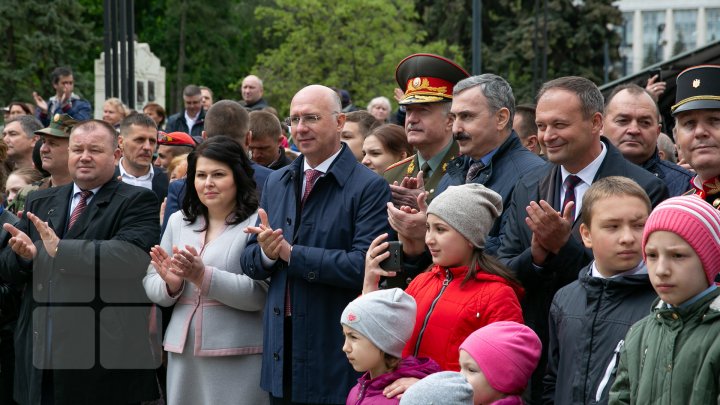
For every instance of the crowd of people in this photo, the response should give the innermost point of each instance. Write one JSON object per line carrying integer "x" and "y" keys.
{"x": 473, "y": 251}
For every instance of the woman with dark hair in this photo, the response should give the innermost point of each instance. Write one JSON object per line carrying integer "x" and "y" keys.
{"x": 17, "y": 108}
{"x": 384, "y": 146}
{"x": 214, "y": 339}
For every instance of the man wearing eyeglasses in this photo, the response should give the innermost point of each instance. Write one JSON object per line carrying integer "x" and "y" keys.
{"x": 317, "y": 218}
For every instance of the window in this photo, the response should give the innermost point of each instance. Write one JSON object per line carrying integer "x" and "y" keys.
{"x": 653, "y": 36}
{"x": 712, "y": 16}
{"x": 685, "y": 31}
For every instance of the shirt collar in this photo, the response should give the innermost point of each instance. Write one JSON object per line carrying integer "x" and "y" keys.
{"x": 325, "y": 165}
{"x": 77, "y": 190}
{"x": 146, "y": 177}
{"x": 193, "y": 119}
{"x": 587, "y": 174}
{"x": 435, "y": 161}
{"x": 639, "y": 269}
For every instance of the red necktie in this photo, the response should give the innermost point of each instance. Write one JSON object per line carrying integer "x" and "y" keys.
{"x": 570, "y": 183}
{"x": 84, "y": 195}
{"x": 311, "y": 175}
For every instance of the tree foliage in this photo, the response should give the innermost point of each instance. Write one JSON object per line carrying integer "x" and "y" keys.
{"x": 38, "y": 36}
{"x": 353, "y": 44}
{"x": 512, "y": 47}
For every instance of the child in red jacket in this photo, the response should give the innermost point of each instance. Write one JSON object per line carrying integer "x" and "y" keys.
{"x": 466, "y": 289}
{"x": 376, "y": 326}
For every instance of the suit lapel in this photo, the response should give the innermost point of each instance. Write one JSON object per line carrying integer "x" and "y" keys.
{"x": 57, "y": 209}
{"x": 94, "y": 209}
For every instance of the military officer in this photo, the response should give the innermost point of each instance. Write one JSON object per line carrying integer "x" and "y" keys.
{"x": 427, "y": 81}
{"x": 697, "y": 124}
{"x": 54, "y": 157}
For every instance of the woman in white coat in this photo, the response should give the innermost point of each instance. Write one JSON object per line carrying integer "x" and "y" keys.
{"x": 214, "y": 339}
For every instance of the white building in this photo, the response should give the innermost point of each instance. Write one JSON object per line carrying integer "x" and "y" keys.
{"x": 656, "y": 30}
{"x": 149, "y": 79}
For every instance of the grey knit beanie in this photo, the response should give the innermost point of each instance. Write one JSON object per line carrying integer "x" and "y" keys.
{"x": 385, "y": 317}
{"x": 470, "y": 209}
{"x": 443, "y": 388}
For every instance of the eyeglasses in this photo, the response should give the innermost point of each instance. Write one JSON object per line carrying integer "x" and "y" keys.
{"x": 309, "y": 119}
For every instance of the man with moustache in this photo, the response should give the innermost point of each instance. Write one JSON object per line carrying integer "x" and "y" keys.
{"x": 491, "y": 155}
{"x": 427, "y": 81}
{"x": 632, "y": 124}
{"x": 137, "y": 141}
{"x": 54, "y": 157}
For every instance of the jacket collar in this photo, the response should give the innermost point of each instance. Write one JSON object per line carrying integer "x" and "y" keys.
{"x": 340, "y": 169}
{"x": 99, "y": 201}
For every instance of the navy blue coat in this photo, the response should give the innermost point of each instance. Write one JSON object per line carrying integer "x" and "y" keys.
{"x": 346, "y": 210}
{"x": 511, "y": 161}
{"x": 676, "y": 178}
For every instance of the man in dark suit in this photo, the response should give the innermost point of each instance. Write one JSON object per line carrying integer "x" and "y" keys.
{"x": 540, "y": 240}
{"x": 83, "y": 328}
{"x": 137, "y": 141}
{"x": 229, "y": 118}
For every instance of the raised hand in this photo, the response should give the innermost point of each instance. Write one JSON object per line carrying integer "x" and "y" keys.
{"x": 377, "y": 252}
{"x": 40, "y": 102}
{"x": 551, "y": 229}
{"x": 162, "y": 263}
{"x": 187, "y": 264}
{"x": 20, "y": 243}
{"x": 272, "y": 242}
{"x": 47, "y": 234}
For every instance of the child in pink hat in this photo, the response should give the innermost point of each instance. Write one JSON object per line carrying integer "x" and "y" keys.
{"x": 672, "y": 356}
{"x": 498, "y": 360}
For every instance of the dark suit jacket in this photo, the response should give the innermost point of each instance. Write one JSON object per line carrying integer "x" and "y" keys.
{"x": 160, "y": 182}
{"x": 561, "y": 269}
{"x": 86, "y": 308}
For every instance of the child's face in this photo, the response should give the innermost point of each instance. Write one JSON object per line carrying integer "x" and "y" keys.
{"x": 447, "y": 246}
{"x": 483, "y": 393}
{"x": 615, "y": 233}
{"x": 675, "y": 269}
{"x": 362, "y": 354}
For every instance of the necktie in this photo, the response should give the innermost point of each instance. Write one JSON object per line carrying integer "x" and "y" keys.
{"x": 426, "y": 170}
{"x": 84, "y": 195}
{"x": 570, "y": 183}
{"x": 473, "y": 171}
{"x": 311, "y": 175}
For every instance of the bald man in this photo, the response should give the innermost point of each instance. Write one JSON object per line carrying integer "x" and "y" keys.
{"x": 252, "y": 93}
{"x": 317, "y": 218}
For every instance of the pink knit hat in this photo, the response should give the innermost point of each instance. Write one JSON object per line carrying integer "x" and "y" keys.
{"x": 506, "y": 352}
{"x": 694, "y": 220}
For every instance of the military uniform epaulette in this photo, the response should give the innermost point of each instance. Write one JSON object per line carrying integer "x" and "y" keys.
{"x": 402, "y": 162}
{"x": 710, "y": 192}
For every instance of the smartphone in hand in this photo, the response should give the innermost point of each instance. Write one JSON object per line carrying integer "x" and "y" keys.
{"x": 395, "y": 261}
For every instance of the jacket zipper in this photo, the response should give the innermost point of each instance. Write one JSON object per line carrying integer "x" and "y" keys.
{"x": 361, "y": 393}
{"x": 448, "y": 279}
{"x": 609, "y": 371}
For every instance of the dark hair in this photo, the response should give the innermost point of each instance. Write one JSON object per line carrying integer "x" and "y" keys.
{"x": 264, "y": 124}
{"x": 391, "y": 362}
{"x": 59, "y": 72}
{"x": 191, "y": 90}
{"x": 393, "y": 139}
{"x": 229, "y": 118}
{"x": 25, "y": 107}
{"x": 366, "y": 122}
{"x": 224, "y": 150}
{"x": 528, "y": 127}
{"x": 135, "y": 118}
{"x": 158, "y": 109}
{"x": 488, "y": 264}
{"x": 591, "y": 99}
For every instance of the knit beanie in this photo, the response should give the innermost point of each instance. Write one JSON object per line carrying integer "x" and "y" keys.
{"x": 694, "y": 220}
{"x": 470, "y": 209}
{"x": 385, "y": 317}
{"x": 506, "y": 352}
{"x": 443, "y": 388}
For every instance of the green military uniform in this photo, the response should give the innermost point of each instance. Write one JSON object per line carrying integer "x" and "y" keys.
{"x": 410, "y": 167}
{"x": 60, "y": 127}
{"x": 698, "y": 88}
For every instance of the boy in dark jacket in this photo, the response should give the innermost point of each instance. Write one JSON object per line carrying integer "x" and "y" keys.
{"x": 590, "y": 317}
